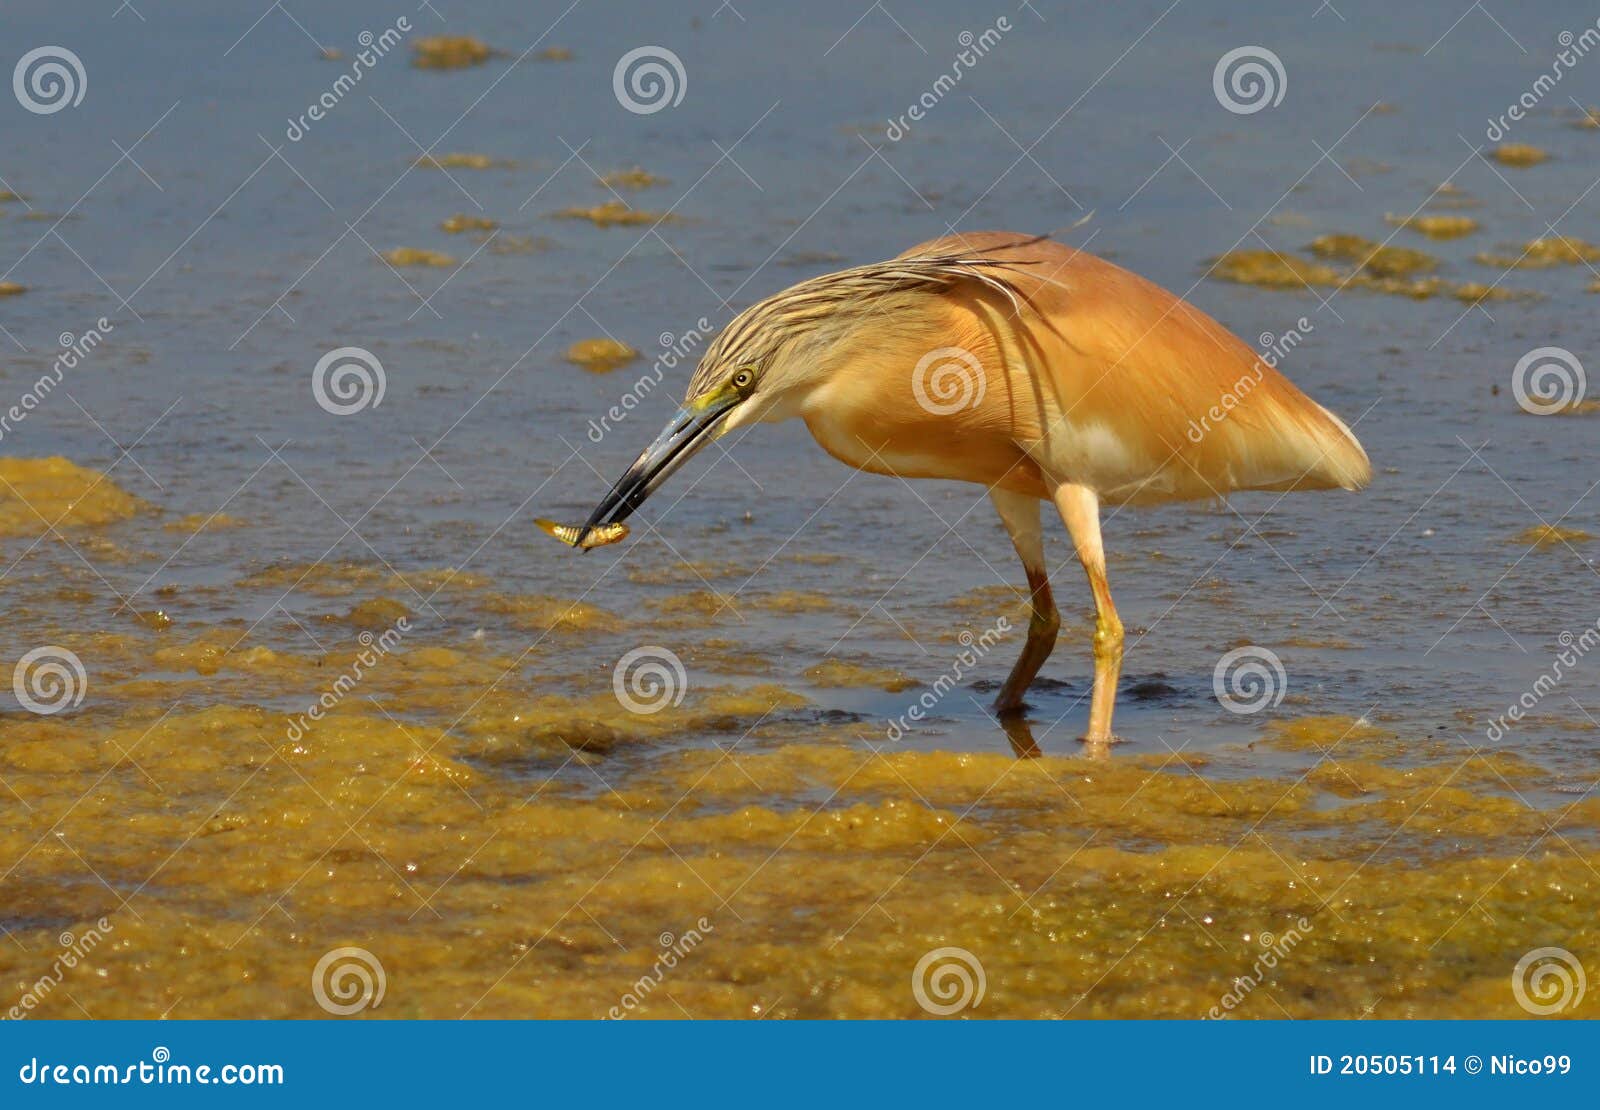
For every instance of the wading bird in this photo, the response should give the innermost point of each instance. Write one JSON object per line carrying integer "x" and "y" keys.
{"x": 1036, "y": 370}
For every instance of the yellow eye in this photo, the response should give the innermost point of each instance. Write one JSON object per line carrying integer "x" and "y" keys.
{"x": 743, "y": 378}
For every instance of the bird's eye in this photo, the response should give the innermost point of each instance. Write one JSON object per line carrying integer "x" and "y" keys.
{"x": 743, "y": 378}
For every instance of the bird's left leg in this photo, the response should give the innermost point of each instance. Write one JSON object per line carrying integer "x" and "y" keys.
{"x": 1080, "y": 510}
{"x": 1020, "y": 514}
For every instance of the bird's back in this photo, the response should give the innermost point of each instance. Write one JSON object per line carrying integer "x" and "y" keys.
{"x": 1110, "y": 381}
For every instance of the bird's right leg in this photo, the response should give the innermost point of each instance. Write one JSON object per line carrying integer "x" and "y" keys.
{"x": 1080, "y": 510}
{"x": 1020, "y": 514}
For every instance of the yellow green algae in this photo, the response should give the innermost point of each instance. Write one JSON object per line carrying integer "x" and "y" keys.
{"x": 614, "y": 213}
{"x": 12, "y": 289}
{"x": 601, "y": 355}
{"x": 1538, "y": 254}
{"x": 845, "y": 673}
{"x": 416, "y": 256}
{"x": 39, "y": 495}
{"x": 197, "y": 522}
{"x": 1372, "y": 257}
{"x": 459, "y": 160}
{"x": 634, "y": 178}
{"x": 507, "y": 839}
{"x": 1272, "y": 269}
{"x": 1370, "y": 265}
{"x": 460, "y": 222}
{"x": 1435, "y": 226}
{"x": 449, "y": 52}
{"x": 816, "y": 871}
{"x": 1520, "y": 155}
{"x": 1551, "y": 535}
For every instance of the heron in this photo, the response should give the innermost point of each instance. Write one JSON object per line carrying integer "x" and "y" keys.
{"x": 1034, "y": 369}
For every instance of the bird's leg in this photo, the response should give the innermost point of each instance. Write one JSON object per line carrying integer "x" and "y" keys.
{"x": 1020, "y": 514}
{"x": 1080, "y": 509}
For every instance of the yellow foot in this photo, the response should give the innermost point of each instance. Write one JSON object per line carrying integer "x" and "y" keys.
{"x": 1098, "y": 748}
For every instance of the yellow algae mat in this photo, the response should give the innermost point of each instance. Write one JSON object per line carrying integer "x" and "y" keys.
{"x": 792, "y": 871}
{"x": 221, "y": 816}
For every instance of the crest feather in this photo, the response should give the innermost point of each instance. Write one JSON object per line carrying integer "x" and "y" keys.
{"x": 758, "y": 331}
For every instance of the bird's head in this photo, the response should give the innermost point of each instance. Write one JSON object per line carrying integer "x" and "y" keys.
{"x": 761, "y": 367}
{"x": 776, "y": 354}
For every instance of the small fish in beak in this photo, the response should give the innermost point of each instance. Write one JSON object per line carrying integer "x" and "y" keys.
{"x": 690, "y": 429}
{"x": 576, "y": 535}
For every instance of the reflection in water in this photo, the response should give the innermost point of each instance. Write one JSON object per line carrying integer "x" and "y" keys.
{"x": 1019, "y": 731}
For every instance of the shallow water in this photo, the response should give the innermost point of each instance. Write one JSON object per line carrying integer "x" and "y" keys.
{"x": 482, "y": 814}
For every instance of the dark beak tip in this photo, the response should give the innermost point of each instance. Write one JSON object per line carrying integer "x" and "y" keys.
{"x": 681, "y": 439}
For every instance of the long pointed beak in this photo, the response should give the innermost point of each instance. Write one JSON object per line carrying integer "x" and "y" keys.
{"x": 688, "y": 431}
